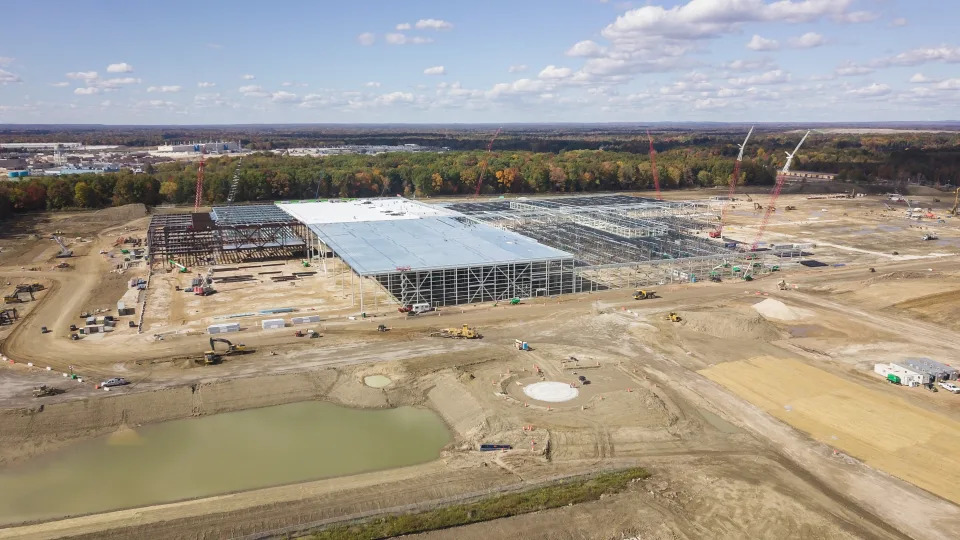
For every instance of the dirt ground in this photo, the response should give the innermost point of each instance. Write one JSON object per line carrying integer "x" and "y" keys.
{"x": 700, "y": 403}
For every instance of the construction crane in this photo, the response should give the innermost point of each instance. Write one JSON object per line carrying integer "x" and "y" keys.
{"x": 235, "y": 183}
{"x": 733, "y": 187}
{"x": 771, "y": 206}
{"x": 64, "y": 252}
{"x": 483, "y": 170}
{"x": 956, "y": 203}
{"x": 653, "y": 166}
{"x": 199, "y": 196}
{"x": 181, "y": 268}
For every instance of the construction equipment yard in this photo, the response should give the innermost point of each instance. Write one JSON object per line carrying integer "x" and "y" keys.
{"x": 756, "y": 409}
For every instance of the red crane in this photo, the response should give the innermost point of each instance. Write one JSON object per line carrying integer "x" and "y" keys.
{"x": 733, "y": 188}
{"x": 483, "y": 170}
{"x": 653, "y": 166}
{"x": 199, "y": 196}
{"x": 781, "y": 176}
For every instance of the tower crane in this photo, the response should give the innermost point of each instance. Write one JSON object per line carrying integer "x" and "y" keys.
{"x": 781, "y": 176}
{"x": 653, "y": 166}
{"x": 235, "y": 183}
{"x": 483, "y": 170}
{"x": 199, "y": 196}
{"x": 733, "y": 187}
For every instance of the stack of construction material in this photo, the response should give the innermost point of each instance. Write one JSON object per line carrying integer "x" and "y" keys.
{"x": 223, "y": 328}
{"x": 305, "y": 320}
{"x": 271, "y": 324}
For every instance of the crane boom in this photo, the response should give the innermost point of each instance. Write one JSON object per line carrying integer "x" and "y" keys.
{"x": 653, "y": 166}
{"x": 198, "y": 198}
{"x": 483, "y": 170}
{"x": 781, "y": 176}
{"x": 733, "y": 187}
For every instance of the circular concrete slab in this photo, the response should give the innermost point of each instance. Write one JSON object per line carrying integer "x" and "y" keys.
{"x": 551, "y": 391}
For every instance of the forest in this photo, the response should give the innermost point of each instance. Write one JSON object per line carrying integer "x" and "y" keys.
{"x": 684, "y": 160}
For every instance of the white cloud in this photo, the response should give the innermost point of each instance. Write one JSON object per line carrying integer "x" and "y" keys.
{"x": 943, "y": 53}
{"x": 949, "y": 84}
{"x": 858, "y": 17}
{"x": 808, "y": 41}
{"x": 155, "y": 104}
{"x": 520, "y": 86}
{"x": 165, "y": 89}
{"x": 404, "y": 26}
{"x": 209, "y": 100}
{"x": 759, "y": 43}
{"x": 401, "y": 39}
{"x": 372, "y": 84}
{"x": 920, "y": 78}
{"x": 253, "y": 90}
{"x": 586, "y": 48}
{"x": 5, "y": 61}
{"x": 366, "y": 38}
{"x": 204, "y": 84}
{"x": 284, "y": 97}
{"x": 248, "y": 77}
{"x": 393, "y": 98}
{"x": 776, "y": 76}
{"x": 60, "y": 84}
{"x": 871, "y": 90}
{"x": 750, "y": 65}
{"x": 554, "y": 72}
{"x": 435, "y": 70}
{"x": 82, "y": 75}
{"x": 899, "y": 21}
{"x": 88, "y": 91}
{"x": 106, "y": 103}
{"x": 852, "y": 70}
{"x": 432, "y": 24}
{"x": 122, "y": 67}
{"x": 517, "y": 68}
{"x": 7, "y": 77}
{"x": 113, "y": 84}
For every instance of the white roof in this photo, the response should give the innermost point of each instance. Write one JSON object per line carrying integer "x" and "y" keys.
{"x": 361, "y": 210}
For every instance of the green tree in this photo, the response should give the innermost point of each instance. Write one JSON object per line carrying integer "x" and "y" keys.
{"x": 83, "y": 195}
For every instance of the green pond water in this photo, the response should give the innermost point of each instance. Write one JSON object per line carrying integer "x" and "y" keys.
{"x": 216, "y": 454}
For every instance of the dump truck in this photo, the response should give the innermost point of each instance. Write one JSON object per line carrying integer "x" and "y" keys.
{"x": 464, "y": 332}
{"x": 644, "y": 295}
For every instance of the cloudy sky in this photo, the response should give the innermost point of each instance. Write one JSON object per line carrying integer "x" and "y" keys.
{"x": 240, "y": 61}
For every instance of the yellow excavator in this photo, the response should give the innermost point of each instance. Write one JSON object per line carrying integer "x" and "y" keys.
{"x": 212, "y": 357}
{"x": 644, "y": 294}
{"x": 956, "y": 203}
{"x": 673, "y": 317}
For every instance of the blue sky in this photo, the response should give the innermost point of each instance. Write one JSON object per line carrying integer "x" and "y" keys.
{"x": 177, "y": 62}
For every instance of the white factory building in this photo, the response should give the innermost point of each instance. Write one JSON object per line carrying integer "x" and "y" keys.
{"x": 917, "y": 371}
{"x": 219, "y": 147}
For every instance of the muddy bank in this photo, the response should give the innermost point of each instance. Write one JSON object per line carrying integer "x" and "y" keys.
{"x": 28, "y": 431}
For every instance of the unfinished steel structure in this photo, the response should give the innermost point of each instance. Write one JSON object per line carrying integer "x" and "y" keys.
{"x": 227, "y": 235}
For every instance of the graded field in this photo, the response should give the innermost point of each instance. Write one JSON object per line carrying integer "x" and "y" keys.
{"x": 890, "y": 434}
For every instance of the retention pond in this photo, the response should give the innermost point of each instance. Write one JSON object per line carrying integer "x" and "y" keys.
{"x": 223, "y": 453}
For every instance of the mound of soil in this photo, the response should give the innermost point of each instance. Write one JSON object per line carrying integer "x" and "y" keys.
{"x": 730, "y": 325}
{"x": 905, "y": 275}
{"x": 775, "y": 309}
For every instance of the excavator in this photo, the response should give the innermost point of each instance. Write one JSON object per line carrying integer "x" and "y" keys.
{"x": 212, "y": 357}
{"x": 644, "y": 294}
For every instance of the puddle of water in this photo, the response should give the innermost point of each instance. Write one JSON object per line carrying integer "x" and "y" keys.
{"x": 376, "y": 381}
{"x": 719, "y": 423}
{"x": 227, "y": 452}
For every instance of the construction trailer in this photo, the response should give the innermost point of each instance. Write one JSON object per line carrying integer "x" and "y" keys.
{"x": 917, "y": 371}
{"x": 8, "y": 316}
{"x": 223, "y": 328}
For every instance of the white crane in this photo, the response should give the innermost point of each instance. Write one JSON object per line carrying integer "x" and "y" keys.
{"x": 786, "y": 166}
{"x": 742, "y": 146}
{"x": 64, "y": 252}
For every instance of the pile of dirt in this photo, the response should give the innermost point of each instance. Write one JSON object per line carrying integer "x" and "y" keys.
{"x": 905, "y": 275}
{"x": 775, "y": 309}
{"x": 730, "y": 325}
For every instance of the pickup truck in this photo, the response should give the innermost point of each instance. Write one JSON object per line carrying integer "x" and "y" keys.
{"x": 949, "y": 387}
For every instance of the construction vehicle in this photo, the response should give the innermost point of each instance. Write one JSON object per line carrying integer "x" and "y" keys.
{"x": 382, "y": 328}
{"x": 204, "y": 290}
{"x": 415, "y": 309}
{"x": 644, "y": 295}
{"x": 757, "y": 206}
{"x": 673, "y": 317}
{"x": 956, "y": 203}
{"x": 44, "y": 330}
{"x": 464, "y": 332}
{"x": 790, "y": 207}
{"x": 180, "y": 268}
{"x": 44, "y": 391}
{"x": 521, "y": 345}
{"x": 306, "y": 333}
{"x": 930, "y": 236}
{"x": 64, "y": 252}
{"x": 718, "y": 232}
{"x": 782, "y": 285}
{"x": 212, "y": 357}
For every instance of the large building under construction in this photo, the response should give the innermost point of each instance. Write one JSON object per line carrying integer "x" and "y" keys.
{"x": 409, "y": 252}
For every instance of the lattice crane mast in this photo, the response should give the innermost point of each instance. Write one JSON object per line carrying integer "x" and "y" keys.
{"x": 199, "y": 196}
{"x": 483, "y": 170}
{"x": 733, "y": 187}
{"x": 781, "y": 176}
{"x": 235, "y": 183}
{"x": 653, "y": 166}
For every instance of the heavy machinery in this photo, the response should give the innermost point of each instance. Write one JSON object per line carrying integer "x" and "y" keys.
{"x": 44, "y": 391}
{"x": 930, "y": 236}
{"x": 956, "y": 203}
{"x": 382, "y": 328}
{"x": 718, "y": 232}
{"x": 8, "y": 316}
{"x": 212, "y": 357}
{"x": 521, "y": 345}
{"x": 790, "y": 207}
{"x": 64, "y": 252}
{"x": 757, "y": 206}
{"x": 307, "y": 333}
{"x": 673, "y": 317}
{"x": 464, "y": 332}
{"x": 782, "y": 285}
{"x": 180, "y": 268}
{"x": 644, "y": 295}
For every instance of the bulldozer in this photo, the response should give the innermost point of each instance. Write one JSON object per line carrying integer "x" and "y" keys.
{"x": 790, "y": 207}
{"x": 212, "y": 357}
{"x": 382, "y": 328}
{"x": 673, "y": 317}
{"x": 644, "y": 295}
{"x": 44, "y": 391}
{"x": 464, "y": 332}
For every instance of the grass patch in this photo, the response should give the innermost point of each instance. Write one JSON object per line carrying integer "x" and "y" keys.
{"x": 500, "y": 506}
